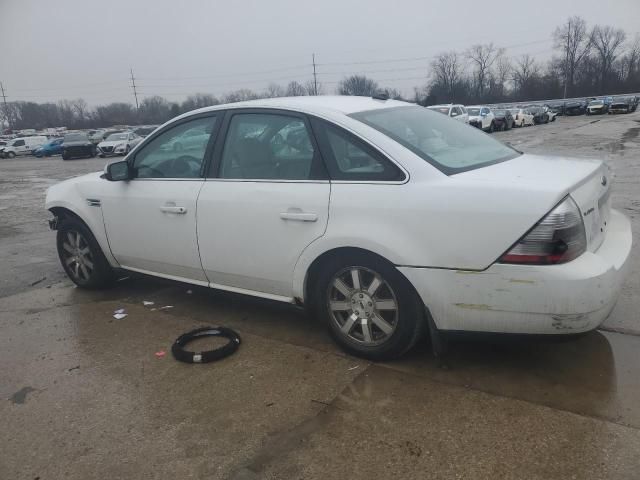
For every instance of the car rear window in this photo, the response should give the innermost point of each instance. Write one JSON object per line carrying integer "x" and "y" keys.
{"x": 448, "y": 145}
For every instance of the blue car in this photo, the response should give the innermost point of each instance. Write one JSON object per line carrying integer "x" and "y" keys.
{"x": 54, "y": 147}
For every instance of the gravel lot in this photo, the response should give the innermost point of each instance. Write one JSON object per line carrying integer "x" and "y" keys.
{"x": 85, "y": 396}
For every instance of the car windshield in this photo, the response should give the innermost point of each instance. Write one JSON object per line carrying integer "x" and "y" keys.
{"x": 116, "y": 136}
{"x": 75, "y": 137}
{"x": 597, "y": 102}
{"x": 473, "y": 111}
{"x": 444, "y": 110}
{"x": 499, "y": 112}
{"x": 452, "y": 147}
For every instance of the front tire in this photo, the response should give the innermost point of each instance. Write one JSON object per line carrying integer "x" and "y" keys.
{"x": 11, "y": 155}
{"x": 81, "y": 256}
{"x": 371, "y": 309}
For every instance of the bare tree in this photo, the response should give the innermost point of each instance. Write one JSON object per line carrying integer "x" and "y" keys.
{"x": 199, "y": 100}
{"x": 447, "y": 71}
{"x": 313, "y": 88}
{"x": 501, "y": 75}
{"x": 607, "y": 42}
{"x": 66, "y": 112}
{"x": 393, "y": 93}
{"x": 524, "y": 72}
{"x": 295, "y": 89}
{"x": 81, "y": 110}
{"x": 482, "y": 58}
{"x": 573, "y": 40}
{"x": 239, "y": 96}
{"x": 274, "y": 90}
{"x": 357, "y": 85}
{"x": 630, "y": 62}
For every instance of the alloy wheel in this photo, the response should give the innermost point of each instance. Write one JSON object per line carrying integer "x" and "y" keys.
{"x": 362, "y": 305}
{"x": 77, "y": 256}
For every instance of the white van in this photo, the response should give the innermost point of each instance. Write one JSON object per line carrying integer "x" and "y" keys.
{"x": 23, "y": 146}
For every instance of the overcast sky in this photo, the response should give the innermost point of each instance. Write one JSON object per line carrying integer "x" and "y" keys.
{"x": 51, "y": 50}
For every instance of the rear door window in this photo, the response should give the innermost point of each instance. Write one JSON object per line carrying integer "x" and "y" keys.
{"x": 269, "y": 146}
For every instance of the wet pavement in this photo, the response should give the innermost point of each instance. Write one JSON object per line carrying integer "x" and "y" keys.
{"x": 84, "y": 395}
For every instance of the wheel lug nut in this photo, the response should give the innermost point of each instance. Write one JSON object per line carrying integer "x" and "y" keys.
{"x": 361, "y": 295}
{"x": 370, "y": 304}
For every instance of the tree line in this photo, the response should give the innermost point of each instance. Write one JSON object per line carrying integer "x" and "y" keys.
{"x": 587, "y": 61}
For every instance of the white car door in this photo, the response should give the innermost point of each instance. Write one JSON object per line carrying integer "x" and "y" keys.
{"x": 267, "y": 199}
{"x": 151, "y": 219}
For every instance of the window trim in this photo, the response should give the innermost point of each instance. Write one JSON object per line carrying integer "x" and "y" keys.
{"x": 219, "y": 114}
{"x": 213, "y": 171}
{"x": 368, "y": 146}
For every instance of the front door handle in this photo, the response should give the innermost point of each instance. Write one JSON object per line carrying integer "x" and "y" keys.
{"x": 299, "y": 216}
{"x": 172, "y": 209}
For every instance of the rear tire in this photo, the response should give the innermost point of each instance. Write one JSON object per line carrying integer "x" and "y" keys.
{"x": 379, "y": 319}
{"x": 81, "y": 256}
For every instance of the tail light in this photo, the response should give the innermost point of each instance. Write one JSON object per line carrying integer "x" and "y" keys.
{"x": 558, "y": 238}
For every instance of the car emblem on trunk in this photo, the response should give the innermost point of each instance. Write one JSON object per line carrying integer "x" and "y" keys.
{"x": 604, "y": 181}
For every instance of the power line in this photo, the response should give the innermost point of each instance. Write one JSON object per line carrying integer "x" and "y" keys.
{"x": 228, "y": 75}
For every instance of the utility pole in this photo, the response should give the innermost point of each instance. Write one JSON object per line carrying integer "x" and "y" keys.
{"x": 4, "y": 101}
{"x": 315, "y": 79}
{"x": 135, "y": 93}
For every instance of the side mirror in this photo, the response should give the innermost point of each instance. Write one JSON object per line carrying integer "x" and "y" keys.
{"x": 117, "y": 171}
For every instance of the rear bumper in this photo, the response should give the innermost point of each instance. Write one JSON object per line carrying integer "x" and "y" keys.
{"x": 558, "y": 299}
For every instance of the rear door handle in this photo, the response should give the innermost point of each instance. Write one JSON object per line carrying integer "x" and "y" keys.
{"x": 299, "y": 216}
{"x": 171, "y": 209}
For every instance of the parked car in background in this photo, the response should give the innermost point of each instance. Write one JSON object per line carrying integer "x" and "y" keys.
{"x": 459, "y": 112}
{"x": 521, "y": 117}
{"x": 118, "y": 144}
{"x": 77, "y": 145}
{"x": 503, "y": 119}
{"x": 538, "y": 233}
{"x": 557, "y": 108}
{"x": 578, "y": 107}
{"x": 145, "y": 131}
{"x": 52, "y": 147}
{"x": 96, "y": 136}
{"x": 550, "y": 113}
{"x": 597, "y": 107}
{"x": 540, "y": 116}
{"x": 481, "y": 116}
{"x": 23, "y": 146}
{"x": 621, "y": 105}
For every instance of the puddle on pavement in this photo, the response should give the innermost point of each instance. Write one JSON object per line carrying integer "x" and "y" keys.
{"x": 597, "y": 374}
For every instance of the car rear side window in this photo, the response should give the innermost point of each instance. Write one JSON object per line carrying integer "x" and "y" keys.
{"x": 348, "y": 158}
{"x": 269, "y": 146}
{"x": 451, "y": 147}
{"x": 177, "y": 152}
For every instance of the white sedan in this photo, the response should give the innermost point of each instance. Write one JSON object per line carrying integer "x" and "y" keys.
{"x": 118, "y": 144}
{"x": 522, "y": 117}
{"x": 384, "y": 218}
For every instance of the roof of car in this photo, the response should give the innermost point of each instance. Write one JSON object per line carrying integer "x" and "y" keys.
{"x": 343, "y": 104}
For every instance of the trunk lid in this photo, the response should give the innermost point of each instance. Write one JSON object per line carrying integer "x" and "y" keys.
{"x": 551, "y": 179}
